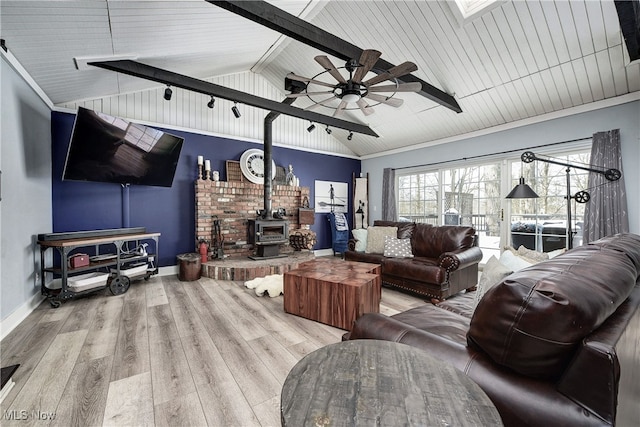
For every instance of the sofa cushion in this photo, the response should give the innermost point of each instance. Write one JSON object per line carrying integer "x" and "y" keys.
{"x": 548, "y": 308}
{"x": 492, "y": 274}
{"x": 514, "y": 262}
{"x": 534, "y": 256}
{"x": 405, "y": 229}
{"x": 360, "y": 234}
{"x": 462, "y": 303}
{"x": 626, "y": 243}
{"x": 397, "y": 248}
{"x": 423, "y": 269}
{"x": 431, "y": 318}
{"x": 364, "y": 257}
{"x": 431, "y": 242}
{"x": 375, "y": 238}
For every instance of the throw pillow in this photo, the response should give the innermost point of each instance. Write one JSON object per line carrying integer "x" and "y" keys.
{"x": 360, "y": 234}
{"x": 525, "y": 252}
{"x": 492, "y": 274}
{"x": 557, "y": 252}
{"x": 397, "y": 248}
{"x": 375, "y": 238}
{"x": 514, "y": 262}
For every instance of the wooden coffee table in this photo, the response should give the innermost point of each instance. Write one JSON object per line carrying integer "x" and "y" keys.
{"x": 334, "y": 292}
{"x": 381, "y": 383}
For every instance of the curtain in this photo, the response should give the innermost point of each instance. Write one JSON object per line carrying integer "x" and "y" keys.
{"x": 606, "y": 212}
{"x": 389, "y": 194}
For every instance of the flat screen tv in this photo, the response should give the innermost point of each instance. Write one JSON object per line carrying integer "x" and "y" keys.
{"x": 104, "y": 148}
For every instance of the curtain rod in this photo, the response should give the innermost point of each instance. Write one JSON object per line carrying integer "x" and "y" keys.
{"x": 494, "y": 154}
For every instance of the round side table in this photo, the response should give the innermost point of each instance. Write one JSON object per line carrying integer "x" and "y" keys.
{"x": 372, "y": 382}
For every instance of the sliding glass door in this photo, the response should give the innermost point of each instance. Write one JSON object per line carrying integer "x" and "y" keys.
{"x": 467, "y": 195}
{"x": 474, "y": 195}
{"x": 542, "y": 224}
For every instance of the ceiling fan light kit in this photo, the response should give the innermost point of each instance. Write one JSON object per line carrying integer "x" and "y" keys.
{"x": 354, "y": 89}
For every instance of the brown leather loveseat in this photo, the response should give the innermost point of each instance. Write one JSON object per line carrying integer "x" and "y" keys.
{"x": 554, "y": 344}
{"x": 445, "y": 259}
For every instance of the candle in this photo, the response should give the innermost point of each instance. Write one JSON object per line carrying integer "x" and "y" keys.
{"x": 207, "y": 165}
{"x": 200, "y": 159}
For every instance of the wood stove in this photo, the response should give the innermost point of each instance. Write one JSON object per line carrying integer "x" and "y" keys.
{"x": 267, "y": 235}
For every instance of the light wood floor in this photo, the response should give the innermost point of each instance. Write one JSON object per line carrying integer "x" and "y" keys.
{"x": 165, "y": 353}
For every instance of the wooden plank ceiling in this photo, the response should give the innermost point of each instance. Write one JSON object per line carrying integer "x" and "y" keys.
{"x": 517, "y": 61}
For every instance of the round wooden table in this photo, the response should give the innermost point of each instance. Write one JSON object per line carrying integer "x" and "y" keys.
{"x": 371, "y": 382}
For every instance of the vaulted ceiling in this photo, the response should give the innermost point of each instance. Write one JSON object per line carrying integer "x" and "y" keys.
{"x": 515, "y": 61}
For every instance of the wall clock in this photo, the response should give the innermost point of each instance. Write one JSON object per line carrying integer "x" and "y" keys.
{"x": 252, "y": 166}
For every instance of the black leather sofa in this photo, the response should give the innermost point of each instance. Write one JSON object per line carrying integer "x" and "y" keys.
{"x": 555, "y": 344}
{"x": 445, "y": 259}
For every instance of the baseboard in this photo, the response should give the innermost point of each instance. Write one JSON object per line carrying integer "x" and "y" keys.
{"x": 323, "y": 252}
{"x": 169, "y": 270}
{"x": 9, "y": 323}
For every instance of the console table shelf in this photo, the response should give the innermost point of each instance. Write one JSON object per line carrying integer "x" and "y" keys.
{"x": 116, "y": 276}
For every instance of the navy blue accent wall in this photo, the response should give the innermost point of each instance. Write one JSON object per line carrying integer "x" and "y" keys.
{"x": 171, "y": 211}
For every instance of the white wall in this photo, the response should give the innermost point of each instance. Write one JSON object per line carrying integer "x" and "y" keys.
{"x": 625, "y": 117}
{"x": 25, "y": 209}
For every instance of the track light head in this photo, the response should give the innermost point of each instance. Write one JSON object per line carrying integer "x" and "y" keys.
{"x": 350, "y": 136}
{"x": 311, "y": 128}
{"x": 328, "y": 130}
{"x": 211, "y": 103}
{"x": 235, "y": 111}
{"x": 167, "y": 93}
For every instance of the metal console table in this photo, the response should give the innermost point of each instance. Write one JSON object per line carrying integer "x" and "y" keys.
{"x": 117, "y": 282}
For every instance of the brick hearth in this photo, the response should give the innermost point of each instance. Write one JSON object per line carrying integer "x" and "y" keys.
{"x": 247, "y": 269}
{"x": 234, "y": 203}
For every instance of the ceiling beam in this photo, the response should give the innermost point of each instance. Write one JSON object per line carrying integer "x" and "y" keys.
{"x": 291, "y": 26}
{"x": 629, "y": 17}
{"x": 148, "y": 72}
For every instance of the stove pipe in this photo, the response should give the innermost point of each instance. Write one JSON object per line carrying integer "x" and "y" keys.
{"x": 294, "y": 87}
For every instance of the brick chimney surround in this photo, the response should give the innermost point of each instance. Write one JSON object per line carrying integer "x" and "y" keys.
{"x": 236, "y": 202}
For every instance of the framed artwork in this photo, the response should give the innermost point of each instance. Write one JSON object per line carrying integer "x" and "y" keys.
{"x": 331, "y": 197}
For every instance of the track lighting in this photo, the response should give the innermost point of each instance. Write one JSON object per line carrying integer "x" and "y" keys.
{"x": 167, "y": 93}
{"x": 350, "y": 137}
{"x": 211, "y": 103}
{"x": 328, "y": 130}
{"x": 235, "y": 111}
{"x": 311, "y": 128}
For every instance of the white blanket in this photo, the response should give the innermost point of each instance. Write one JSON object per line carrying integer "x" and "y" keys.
{"x": 272, "y": 284}
{"x": 341, "y": 221}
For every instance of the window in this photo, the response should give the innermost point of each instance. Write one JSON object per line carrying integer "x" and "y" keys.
{"x": 475, "y": 195}
{"x": 467, "y": 195}
{"x": 541, "y": 223}
{"x": 466, "y": 11}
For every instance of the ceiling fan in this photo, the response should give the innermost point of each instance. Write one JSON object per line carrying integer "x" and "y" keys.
{"x": 365, "y": 94}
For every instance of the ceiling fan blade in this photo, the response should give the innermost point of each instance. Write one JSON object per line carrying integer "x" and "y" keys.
{"x": 340, "y": 109}
{"x": 328, "y": 65}
{"x": 298, "y": 78}
{"x": 394, "y": 102}
{"x": 368, "y": 58}
{"x": 301, "y": 94}
{"x": 402, "y": 87}
{"x": 323, "y": 102}
{"x": 392, "y": 73}
{"x": 366, "y": 109}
